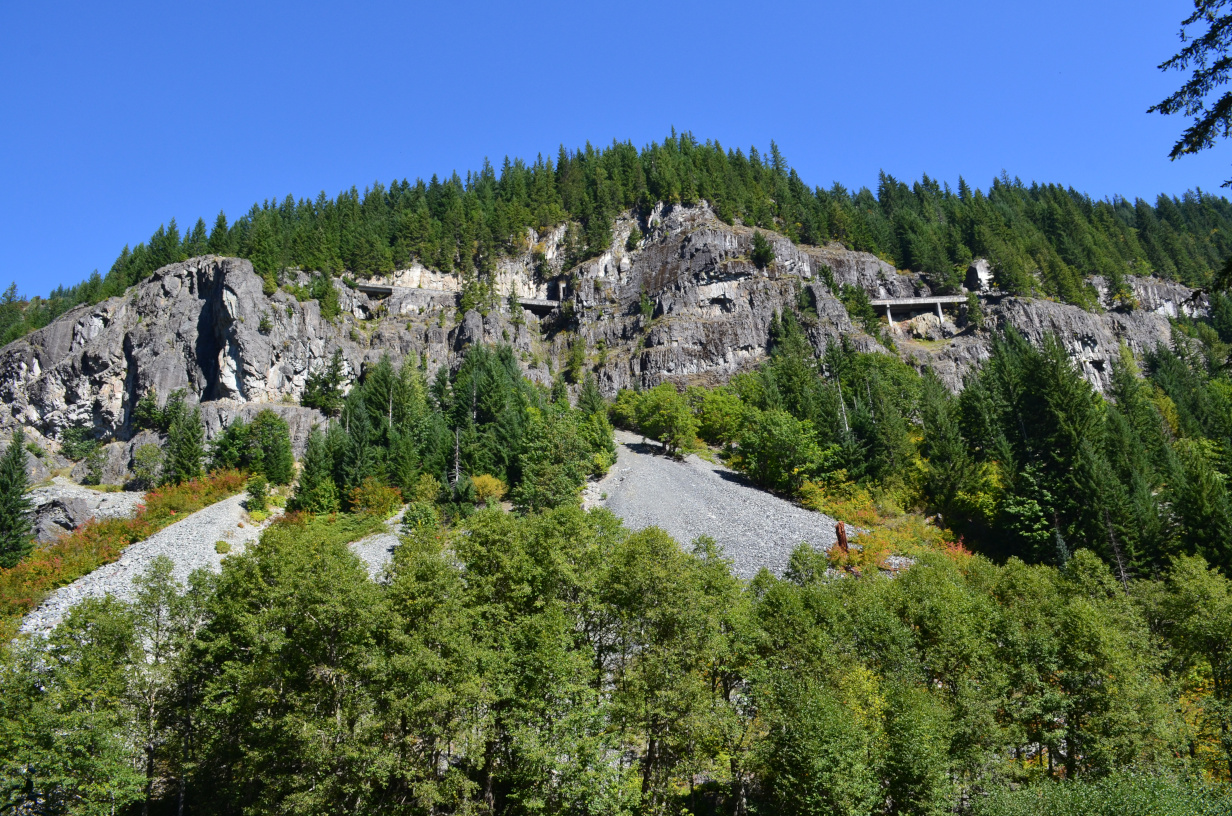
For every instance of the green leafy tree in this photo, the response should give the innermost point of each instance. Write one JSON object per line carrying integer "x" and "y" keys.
{"x": 780, "y": 451}
{"x": 147, "y": 465}
{"x": 663, "y": 414}
{"x": 14, "y": 503}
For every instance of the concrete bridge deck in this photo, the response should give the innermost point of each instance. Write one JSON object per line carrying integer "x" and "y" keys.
{"x": 915, "y": 305}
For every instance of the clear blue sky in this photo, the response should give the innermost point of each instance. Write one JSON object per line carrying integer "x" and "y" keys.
{"x": 120, "y": 116}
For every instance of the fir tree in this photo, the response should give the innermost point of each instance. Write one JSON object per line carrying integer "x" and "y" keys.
{"x": 185, "y": 448}
{"x": 590, "y": 401}
{"x": 323, "y": 389}
{"x": 14, "y": 504}
{"x": 316, "y": 492}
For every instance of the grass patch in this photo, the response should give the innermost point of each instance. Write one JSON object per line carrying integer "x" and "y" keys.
{"x": 335, "y": 528}
{"x": 106, "y": 488}
{"x": 100, "y": 541}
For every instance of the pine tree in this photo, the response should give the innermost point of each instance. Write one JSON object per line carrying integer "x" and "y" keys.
{"x": 147, "y": 416}
{"x": 762, "y": 254}
{"x": 316, "y": 492}
{"x": 14, "y": 504}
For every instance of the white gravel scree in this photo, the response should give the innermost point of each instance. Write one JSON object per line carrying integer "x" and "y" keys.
{"x": 189, "y": 544}
{"x": 694, "y": 497}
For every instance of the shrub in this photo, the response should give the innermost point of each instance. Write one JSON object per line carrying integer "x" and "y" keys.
{"x": 222, "y": 547}
{"x": 488, "y": 488}
{"x": 427, "y": 489}
{"x": 335, "y": 528}
{"x": 646, "y": 306}
{"x": 258, "y": 494}
{"x": 420, "y": 515}
{"x": 1123, "y": 793}
{"x": 147, "y": 465}
{"x": 374, "y": 499}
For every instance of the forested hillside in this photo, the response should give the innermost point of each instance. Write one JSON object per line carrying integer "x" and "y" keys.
{"x": 1041, "y": 239}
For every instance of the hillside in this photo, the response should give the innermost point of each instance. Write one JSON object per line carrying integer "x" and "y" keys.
{"x": 1054, "y": 476}
{"x": 682, "y": 303}
{"x": 1040, "y": 239}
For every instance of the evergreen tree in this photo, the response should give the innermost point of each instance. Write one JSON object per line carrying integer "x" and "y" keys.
{"x": 590, "y": 401}
{"x": 268, "y": 448}
{"x": 147, "y": 416}
{"x": 323, "y": 390}
{"x": 316, "y": 491}
{"x": 15, "y": 505}
{"x": 762, "y": 253}
{"x": 185, "y": 448}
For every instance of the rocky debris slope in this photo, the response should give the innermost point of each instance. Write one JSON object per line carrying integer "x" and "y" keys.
{"x": 376, "y": 551}
{"x": 63, "y": 506}
{"x": 685, "y": 303}
{"x": 694, "y": 498}
{"x": 190, "y": 544}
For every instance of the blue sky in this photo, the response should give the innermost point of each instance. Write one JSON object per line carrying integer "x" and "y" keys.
{"x": 117, "y": 119}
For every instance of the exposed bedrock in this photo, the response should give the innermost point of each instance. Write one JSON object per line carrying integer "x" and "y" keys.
{"x": 686, "y": 304}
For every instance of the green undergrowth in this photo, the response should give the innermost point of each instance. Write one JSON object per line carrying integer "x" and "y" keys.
{"x": 324, "y": 530}
{"x": 1119, "y": 794}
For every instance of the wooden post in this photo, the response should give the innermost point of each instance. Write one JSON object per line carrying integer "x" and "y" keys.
{"x": 840, "y": 533}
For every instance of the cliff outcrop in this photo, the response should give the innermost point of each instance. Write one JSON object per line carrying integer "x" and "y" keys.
{"x": 685, "y": 303}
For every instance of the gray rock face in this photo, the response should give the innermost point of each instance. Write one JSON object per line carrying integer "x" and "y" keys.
{"x": 979, "y": 276}
{"x": 63, "y": 506}
{"x": 206, "y": 326}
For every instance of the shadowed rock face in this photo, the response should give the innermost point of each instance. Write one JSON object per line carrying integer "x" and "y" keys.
{"x": 206, "y": 326}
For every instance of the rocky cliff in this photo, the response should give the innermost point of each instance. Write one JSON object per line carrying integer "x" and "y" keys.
{"x": 685, "y": 304}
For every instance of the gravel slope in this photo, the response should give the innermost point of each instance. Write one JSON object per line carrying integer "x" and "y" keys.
{"x": 695, "y": 497}
{"x": 188, "y": 543}
{"x": 377, "y": 550}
